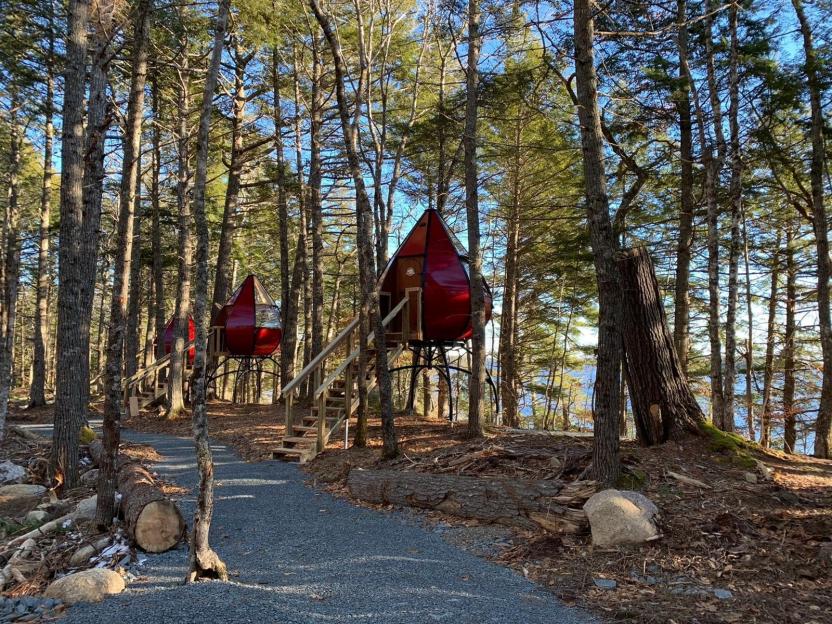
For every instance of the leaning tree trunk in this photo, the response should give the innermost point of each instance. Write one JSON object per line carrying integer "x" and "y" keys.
{"x": 366, "y": 256}
{"x": 130, "y": 173}
{"x": 476, "y": 382}
{"x": 203, "y": 562}
{"x": 605, "y": 462}
{"x": 663, "y": 405}
{"x": 823, "y": 426}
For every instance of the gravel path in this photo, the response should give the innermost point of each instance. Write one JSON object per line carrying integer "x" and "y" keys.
{"x": 297, "y": 555}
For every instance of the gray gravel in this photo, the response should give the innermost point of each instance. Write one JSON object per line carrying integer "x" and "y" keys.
{"x": 297, "y": 555}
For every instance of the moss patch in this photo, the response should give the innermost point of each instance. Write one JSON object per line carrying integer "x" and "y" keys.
{"x": 631, "y": 479}
{"x": 734, "y": 447}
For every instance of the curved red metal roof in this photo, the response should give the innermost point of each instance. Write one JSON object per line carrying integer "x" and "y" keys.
{"x": 251, "y": 320}
{"x": 433, "y": 259}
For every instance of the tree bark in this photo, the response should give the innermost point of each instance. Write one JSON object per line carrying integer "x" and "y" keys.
{"x": 823, "y": 425}
{"x": 37, "y": 395}
{"x": 314, "y": 205}
{"x": 130, "y": 184}
{"x": 11, "y": 260}
{"x": 160, "y": 319}
{"x": 681, "y": 317}
{"x": 203, "y": 562}
{"x": 789, "y": 421}
{"x": 550, "y": 505}
{"x": 176, "y": 372}
{"x": 735, "y": 193}
{"x": 605, "y": 462}
{"x": 476, "y": 382}
{"x": 131, "y": 332}
{"x": 663, "y": 405}
{"x": 771, "y": 327}
{"x": 222, "y": 277}
{"x": 370, "y": 312}
{"x": 72, "y": 343}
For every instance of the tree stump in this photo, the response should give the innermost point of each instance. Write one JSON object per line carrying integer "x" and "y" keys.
{"x": 663, "y": 405}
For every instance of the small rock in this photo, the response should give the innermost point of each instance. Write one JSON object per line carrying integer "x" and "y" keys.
{"x": 88, "y": 586}
{"x": 750, "y": 477}
{"x": 17, "y": 500}
{"x": 723, "y": 594}
{"x": 90, "y": 477}
{"x": 21, "y": 489}
{"x": 621, "y": 517}
{"x": 555, "y": 463}
{"x": 11, "y": 473}
{"x": 85, "y": 510}
{"x": 605, "y": 583}
{"x": 82, "y": 556}
{"x": 37, "y": 516}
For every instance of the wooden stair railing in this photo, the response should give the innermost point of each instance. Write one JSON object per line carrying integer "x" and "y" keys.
{"x": 150, "y": 384}
{"x": 334, "y": 396}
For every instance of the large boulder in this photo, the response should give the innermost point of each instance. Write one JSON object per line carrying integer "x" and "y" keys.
{"x": 621, "y": 517}
{"x": 17, "y": 500}
{"x": 11, "y": 473}
{"x": 88, "y": 586}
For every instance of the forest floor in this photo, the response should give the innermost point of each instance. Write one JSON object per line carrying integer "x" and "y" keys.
{"x": 751, "y": 543}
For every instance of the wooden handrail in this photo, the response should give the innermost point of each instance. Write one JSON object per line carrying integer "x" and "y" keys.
{"x": 157, "y": 365}
{"x": 351, "y": 356}
{"x": 318, "y": 359}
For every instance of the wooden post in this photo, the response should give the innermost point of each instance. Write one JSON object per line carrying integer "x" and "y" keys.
{"x": 290, "y": 419}
{"x": 321, "y": 408}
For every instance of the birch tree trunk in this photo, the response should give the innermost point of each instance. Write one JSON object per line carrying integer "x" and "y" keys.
{"x": 130, "y": 184}
{"x": 203, "y": 562}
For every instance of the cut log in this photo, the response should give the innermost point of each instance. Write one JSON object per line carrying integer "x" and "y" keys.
{"x": 550, "y": 505}
{"x": 663, "y": 405}
{"x": 153, "y": 521}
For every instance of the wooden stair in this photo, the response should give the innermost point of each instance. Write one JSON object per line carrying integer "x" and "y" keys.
{"x": 149, "y": 385}
{"x": 336, "y": 394}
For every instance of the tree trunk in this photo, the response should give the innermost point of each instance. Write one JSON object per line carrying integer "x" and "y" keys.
{"x": 316, "y": 221}
{"x": 160, "y": 319}
{"x": 529, "y": 505}
{"x": 789, "y": 429}
{"x": 713, "y": 165}
{"x": 681, "y": 317}
{"x": 749, "y": 343}
{"x": 176, "y": 372}
{"x": 222, "y": 277}
{"x": 771, "y": 328}
{"x": 735, "y": 193}
{"x": 131, "y": 332}
{"x": 605, "y": 462}
{"x": 11, "y": 261}
{"x": 370, "y": 312}
{"x": 823, "y": 425}
{"x": 37, "y": 395}
{"x": 476, "y": 383}
{"x": 130, "y": 184}
{"x": 72, "y": 341}
{"x": 508, "y": 315}
{"x": 663, "y": 405}
{"x": 203, "y": 562}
